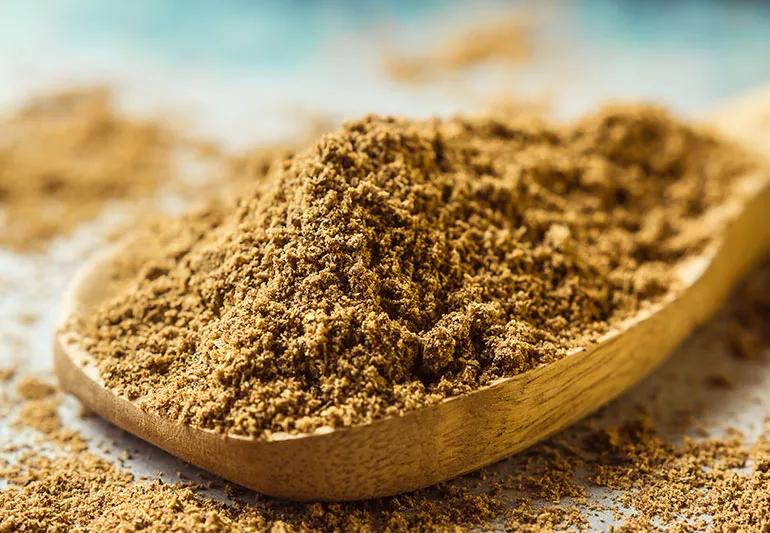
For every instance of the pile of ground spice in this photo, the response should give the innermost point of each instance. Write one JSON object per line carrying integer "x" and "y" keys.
{"x": 63, "y": 157}
{"x": 249, "y": 170}
{"x": 396, "y": 263}
{"x": 505, "y": 40}
{"x": 697, "y": 483}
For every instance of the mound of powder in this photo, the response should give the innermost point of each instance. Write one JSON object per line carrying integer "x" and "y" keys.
{"x": 396, "y": 263}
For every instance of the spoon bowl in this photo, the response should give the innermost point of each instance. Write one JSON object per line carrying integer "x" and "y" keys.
{"x": 460, "y": 434}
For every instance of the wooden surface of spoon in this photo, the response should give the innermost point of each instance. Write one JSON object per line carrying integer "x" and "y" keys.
{"x": 460, "y": 434}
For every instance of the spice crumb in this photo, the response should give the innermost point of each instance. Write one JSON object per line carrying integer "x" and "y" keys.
{"x": 92, "y": 155}
{"x": 397, "y": 263}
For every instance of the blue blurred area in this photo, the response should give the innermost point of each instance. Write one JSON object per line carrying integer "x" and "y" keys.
{"x": 687, "y": 53}
{"x": 277, "y": 33}
{"x": 227, "y": 33}
{"x": 729, "y": 40}
{"x": 233, "y": 32}
{"x": 711, "y": 24}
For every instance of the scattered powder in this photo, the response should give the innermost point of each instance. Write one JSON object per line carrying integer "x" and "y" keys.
{"x": 696, "y": 483}
{"x": 32, "y": 388}
{"x": 39, "y": 410}
{"x": 68, "y": 486}
{"x": 7, "y": 373}
{"x": 505, "y": 40}
{"x": 41, "y": 414}
{"x": 87, "y": 492}
{"x": 27, "y": 319}
{"x": 64, "y": 157}
{"x": 396, "y": 263}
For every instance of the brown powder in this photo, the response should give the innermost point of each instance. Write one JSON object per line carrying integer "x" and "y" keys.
{"x": 70, "y": 487}
{"x": 27, "y": 319}
{"x": 64, "y": 156}
{"x": 249, "y": 170}
{"x": 39, "y": 410}
{"x": 84, "y": 491}
{"x": 397, "y": 263}
{"x": 67, "y": 488}
{"x": 706, "y": 483}
{"x": 715, "y": 483}
{"x": 77, "y": 488}
{"x": 505, "y": 40}
{"x": 32, "y": 388}
{"x": 41, "y": 414}
{"x": 7, "y": 373}
{"x": 688, "y": 483}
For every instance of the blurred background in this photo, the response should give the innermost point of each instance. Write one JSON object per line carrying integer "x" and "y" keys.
{"x": 253, "y": 71}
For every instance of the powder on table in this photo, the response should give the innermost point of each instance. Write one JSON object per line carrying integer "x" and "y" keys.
{"x": 7, "y": 373}
{"x": 62, "y": 485}
{"x": 248, "y": 170}
{"x": 39, "y": 410}
{"x": 63, "y": 157}
{"x": 32, "y": 388}
{"x": 84, "y": 491}
{"x": 397, "y": 263}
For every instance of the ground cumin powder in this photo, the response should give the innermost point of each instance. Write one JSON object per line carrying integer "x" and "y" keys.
{"x": 64, "y": 156}
{"x": 716, "y": 483}
{"x": 396, "y": 263}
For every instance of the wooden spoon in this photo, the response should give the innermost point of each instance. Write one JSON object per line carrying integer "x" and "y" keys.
{"x": 460, "y": 434}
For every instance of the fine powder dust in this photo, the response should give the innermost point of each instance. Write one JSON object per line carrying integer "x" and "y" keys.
{"x": 397, "y": 263}
{"x": 63, "y": 157}
{"x": 504, "y": 40}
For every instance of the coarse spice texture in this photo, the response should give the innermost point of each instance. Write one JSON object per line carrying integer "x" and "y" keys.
{"x": 64, "y": 156}
{"x": 396, "y": 263}
{"x": 84, "y": 491}
{"x": 660, "y": 478}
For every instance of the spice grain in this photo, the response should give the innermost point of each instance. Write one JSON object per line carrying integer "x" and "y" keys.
{"x": 397, "y": 263}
